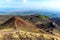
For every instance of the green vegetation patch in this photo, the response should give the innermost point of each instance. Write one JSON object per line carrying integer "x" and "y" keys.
{"x": 41, "y": 16}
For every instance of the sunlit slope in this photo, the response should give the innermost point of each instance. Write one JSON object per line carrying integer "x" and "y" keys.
{"x": 25, "y": 35}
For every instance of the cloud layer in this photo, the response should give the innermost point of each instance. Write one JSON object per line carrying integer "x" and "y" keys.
{"x": 31, "y": 4}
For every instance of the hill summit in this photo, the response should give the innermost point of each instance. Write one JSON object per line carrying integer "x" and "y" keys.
{"x": 18, "y": 23}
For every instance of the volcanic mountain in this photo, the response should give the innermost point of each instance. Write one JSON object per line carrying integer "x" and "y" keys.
{"x": 18, "y": 23}
{"x": 25, "y": 30}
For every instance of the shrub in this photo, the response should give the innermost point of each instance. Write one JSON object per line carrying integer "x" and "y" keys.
{"x": 41, "y": 16}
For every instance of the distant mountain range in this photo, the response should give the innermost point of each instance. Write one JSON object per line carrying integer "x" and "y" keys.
{"x": 51, "y": 14}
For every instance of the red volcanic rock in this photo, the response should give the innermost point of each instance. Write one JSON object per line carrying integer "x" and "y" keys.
{"x": 17, "y": 22}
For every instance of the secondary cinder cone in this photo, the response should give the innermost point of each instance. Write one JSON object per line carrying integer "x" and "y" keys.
{"x": 18, "y": 23}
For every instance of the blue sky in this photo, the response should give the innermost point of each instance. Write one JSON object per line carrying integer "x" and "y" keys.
{"x": 31, "y": 4}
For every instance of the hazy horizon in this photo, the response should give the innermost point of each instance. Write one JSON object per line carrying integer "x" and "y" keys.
{"x": 25, "y": 5}
{"x": 31, "y": 4}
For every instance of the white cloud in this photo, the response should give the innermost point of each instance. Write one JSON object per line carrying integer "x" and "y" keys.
{"x": 24, "y": 1}
{"x": 8, "y": 0}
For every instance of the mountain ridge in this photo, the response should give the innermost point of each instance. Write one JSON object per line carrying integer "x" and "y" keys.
{"x": 24, "y": 28}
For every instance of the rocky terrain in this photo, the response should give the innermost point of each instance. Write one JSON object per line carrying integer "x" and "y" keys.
{"x": 28, "y": 27}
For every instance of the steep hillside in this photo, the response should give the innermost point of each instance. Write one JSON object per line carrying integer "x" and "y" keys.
{"x": 30, "y": 27}
{"x": 56, "y": 20}
{"x": 19, "y": 23}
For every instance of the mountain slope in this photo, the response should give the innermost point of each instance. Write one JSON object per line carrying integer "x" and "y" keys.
{"x": 19, "y": 23}
{"x": 27, "y": 30}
